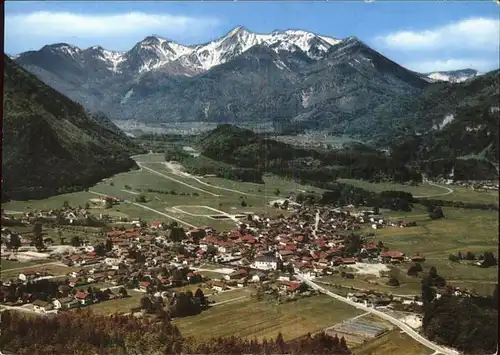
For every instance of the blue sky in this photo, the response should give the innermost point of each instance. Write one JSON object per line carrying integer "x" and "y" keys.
{"x": 423, "y": 36}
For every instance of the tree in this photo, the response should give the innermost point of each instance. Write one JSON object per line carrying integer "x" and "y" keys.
{"x": 37, "y": 229}
{"x": 243, "y": 203}
{"x": 280, "y": 343}
{"x": 488, "y": 260}
{"x": 146, "y": 303}
{"x": 277, "y": 192}
{"x": 108, "y": 203}
{"x": 76, "y": 241}
{"x": 428, "y": 293}
{"x": 177, "y": 234}
{"x": 436, "y": 212}
{"x": 414, "y": 270}
{"x": 100, "y": 249}
{"x": 66, "y": 204}
{"x": 15, "y": 241}
{"x": 109, "y": 244}
{"x": 303, "y": 287}
{"x": 432, "y": 272}
{"x": 470, "y": 256}
{"x": 123, "y": 291}
{"x": 453, "y": 258}
{"x": 201, "y": 297}
{"x": 495, "y": 297}
{"x": 87, "y": 205}
{"x": 393, "y": 281}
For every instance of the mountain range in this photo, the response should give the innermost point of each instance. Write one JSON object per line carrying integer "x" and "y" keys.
{"x": 51, "y": 144}
{"x": 292, "y": 80}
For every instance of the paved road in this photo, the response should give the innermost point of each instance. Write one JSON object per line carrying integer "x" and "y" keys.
{"x": 151, "y": 209}
{"x": 173, "y": 179}
{"x": 404, "y": 327}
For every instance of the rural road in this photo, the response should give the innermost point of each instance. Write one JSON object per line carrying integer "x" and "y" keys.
{"x": 35, "y": 266}
{"x": 179, "y": 209}
{"x": 404, "y": 327}
{"x": 448, "y": 192}
{"x": 178, "y": 181}
{"x": 151, "y": 209}
{"x": 177, "y": 172}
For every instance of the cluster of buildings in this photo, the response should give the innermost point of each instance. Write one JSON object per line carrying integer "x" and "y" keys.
{"x": 312, "y": 240}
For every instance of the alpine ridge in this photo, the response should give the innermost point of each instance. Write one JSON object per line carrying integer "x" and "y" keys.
{"x": 289, "y": 80}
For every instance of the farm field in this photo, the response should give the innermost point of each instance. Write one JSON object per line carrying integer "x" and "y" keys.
{"x": 460, "y": 193}
{"x": 53, "y": 202}
{"x": 249, "y": 319}
{"x": 128, "y": 185}
{"x": 229, "y": 295}
{"x": 461, "y": 230}
{"x": 419, "y": 190}
{"x": 468, "y": 195}
{"x": 53, "y": 269}
{"x": 212, "y": 274}
{"x": 122, "y": 305}
{"x": 408, "y": 286}
{"x": 392, "y": 343}
{"x": 13, "y": 264}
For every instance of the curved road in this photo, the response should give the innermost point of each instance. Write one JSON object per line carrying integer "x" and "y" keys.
{"x": 150, "y": 209}
{"x": 448, "y": 192}
{"x": 404, "y": 327}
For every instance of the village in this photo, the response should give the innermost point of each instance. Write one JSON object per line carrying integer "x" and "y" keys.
{"x": 263, "y": 253}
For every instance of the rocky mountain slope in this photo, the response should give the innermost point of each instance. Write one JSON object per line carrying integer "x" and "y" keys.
{"x": 51, "y": 144}
{"x": 452, "y": 125}
{"x": 294, "y": 79}
{"x": 453, "y": 76}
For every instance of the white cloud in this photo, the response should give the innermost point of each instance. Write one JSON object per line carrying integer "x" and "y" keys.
{"x": 473, "y": 34}
{"x": 428, "y": 66}
{"x": 95, "y": 26}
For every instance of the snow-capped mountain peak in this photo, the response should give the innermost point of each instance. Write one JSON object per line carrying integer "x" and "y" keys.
{"x": 155, "y": 52}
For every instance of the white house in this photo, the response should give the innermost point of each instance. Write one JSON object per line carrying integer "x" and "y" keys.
{"x": 65, "y": 303}
{"x": 266, "y": 262}
{"x": 40, "y": 306}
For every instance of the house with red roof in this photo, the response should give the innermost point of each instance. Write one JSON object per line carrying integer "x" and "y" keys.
{"x": 83, "y": 297}
{"x": 392, "y": 256}
{"x": 144, "y": 285}
{"x": 156, "y": 225}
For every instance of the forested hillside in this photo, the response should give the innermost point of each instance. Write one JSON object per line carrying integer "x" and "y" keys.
{"x": 51, "y": 144}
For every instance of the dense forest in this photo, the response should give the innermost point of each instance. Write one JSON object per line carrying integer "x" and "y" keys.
{"x": 233, "y": 152}
{"x": 469, "y": 324}
{"x": 82, "y": 332}
{"x": 52, "y": 145}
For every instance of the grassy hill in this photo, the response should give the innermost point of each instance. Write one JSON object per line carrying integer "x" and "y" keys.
{"x": 51, "y": 144}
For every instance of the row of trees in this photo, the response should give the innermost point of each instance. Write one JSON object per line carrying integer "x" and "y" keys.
{"x": 487, "y": 259}
{"x": 82, "y": 332}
